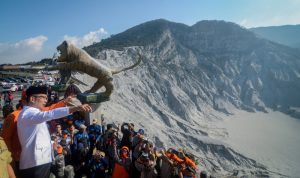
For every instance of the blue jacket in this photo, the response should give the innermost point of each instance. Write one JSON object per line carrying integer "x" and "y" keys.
{"x": 94, "y": 130}
{"x": 95, "y": 165}
{"x": 81, "y": 140}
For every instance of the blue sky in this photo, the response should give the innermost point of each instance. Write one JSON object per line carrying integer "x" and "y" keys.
{"x": 31, "y": 29}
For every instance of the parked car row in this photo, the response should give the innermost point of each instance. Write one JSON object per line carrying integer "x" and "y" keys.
{"x": 14, "y": 83}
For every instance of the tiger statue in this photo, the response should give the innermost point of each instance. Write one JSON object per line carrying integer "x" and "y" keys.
{"x": 75, "y": 59}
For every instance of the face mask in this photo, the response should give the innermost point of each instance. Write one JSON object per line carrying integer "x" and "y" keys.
{"x": 124, "y": 154}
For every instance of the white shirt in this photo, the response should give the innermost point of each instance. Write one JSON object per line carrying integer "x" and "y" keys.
{"x": 34, "y": 135}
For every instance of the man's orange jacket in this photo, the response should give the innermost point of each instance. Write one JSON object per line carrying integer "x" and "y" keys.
{"x": 9, "y": 132}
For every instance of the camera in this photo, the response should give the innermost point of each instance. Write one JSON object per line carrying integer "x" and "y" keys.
{"x": 145, "y": 156}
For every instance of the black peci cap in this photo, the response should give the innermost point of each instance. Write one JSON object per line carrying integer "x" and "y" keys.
{"x": 32, "y": 90}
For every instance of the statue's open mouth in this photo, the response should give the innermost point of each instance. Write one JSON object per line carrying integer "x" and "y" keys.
{"x": 57, "y": 54}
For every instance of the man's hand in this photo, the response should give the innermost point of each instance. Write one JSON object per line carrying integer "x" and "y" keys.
{"x": 85, "y": 108}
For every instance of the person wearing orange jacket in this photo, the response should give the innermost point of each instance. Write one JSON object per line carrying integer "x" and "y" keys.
{"x": 122, "y": 162}
{"x": 187, "y": 166}
{"x": 189, "y": 162}
{"x": 10, "y": 134}
{"x": 182, "y": 159}
{"x": 172, "y": 156}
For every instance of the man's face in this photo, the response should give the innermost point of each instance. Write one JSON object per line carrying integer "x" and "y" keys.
{"x": 72, "y": 128}
{"x": 140, "y": 136}
{"x": 58, "y": 128}
{"x": 65, "y": 136}
{"x": 39, "y": 100}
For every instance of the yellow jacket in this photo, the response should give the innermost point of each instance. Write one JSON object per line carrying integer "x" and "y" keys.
{"x": 5, "y": 158}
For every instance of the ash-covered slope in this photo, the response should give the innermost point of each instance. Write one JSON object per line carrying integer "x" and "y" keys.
{"x": 230, "y": 62}
{"x": 188, "y": 75}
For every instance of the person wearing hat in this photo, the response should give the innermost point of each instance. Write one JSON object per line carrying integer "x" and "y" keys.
{"x": 81, "y": 148}
{"x": 34, "y": 136}
{"x": 59, "y": 162}
{"x": 122, "y": 162}
{"x": 10, "y": 132}
{"x": 94, "y": 128}
{"x": 145, "y": 164}
{"x": 81, "y": 138}
{"x": 98, "y": 165}
{"x": 94, "y": 132}
{"x": 136, "y": 142}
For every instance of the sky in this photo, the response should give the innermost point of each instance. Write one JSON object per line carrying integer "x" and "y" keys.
{"x": 30, "y": 30}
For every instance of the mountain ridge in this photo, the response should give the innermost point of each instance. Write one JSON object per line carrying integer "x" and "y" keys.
{"x": 284, "y": 34}
{"x": 192, "y": 74}
{"x": 215, "y": 44}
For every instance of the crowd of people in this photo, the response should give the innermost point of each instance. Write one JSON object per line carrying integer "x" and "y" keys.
{"x": 54, "y": 140}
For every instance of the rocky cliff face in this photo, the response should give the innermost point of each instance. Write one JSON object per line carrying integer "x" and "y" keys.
{"x": 190, "y": 74}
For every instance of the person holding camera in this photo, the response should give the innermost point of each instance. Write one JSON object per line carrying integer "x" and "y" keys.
{"x": 146, "y": 165}
{"x": 127, "y": 130}
{"x": 176, "y": 163}
{"x": 110, "y": 138}
{"x": 170, "y": 163}
{"x": 137, "y": 143}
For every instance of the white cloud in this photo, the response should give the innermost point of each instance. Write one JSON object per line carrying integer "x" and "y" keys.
{"x": 26, "y": 50}
{"x": 87, "y": 39}
{"x": 35, "y": 43}
{"x": 268, "y": 13}
{"x": 271, "y": 21}
{"x": 244, "y": 23}
{"x": 34, "y": 49}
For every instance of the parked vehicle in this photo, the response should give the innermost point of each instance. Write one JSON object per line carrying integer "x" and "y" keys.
{"x": 11, "y": 87}
{"x": 2, "y": 82}
{"x": 8, "y": 80}
{"x": 13, "y": 79}
{"x": 20, "y": 86}
{"x": 22, "y": 79}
